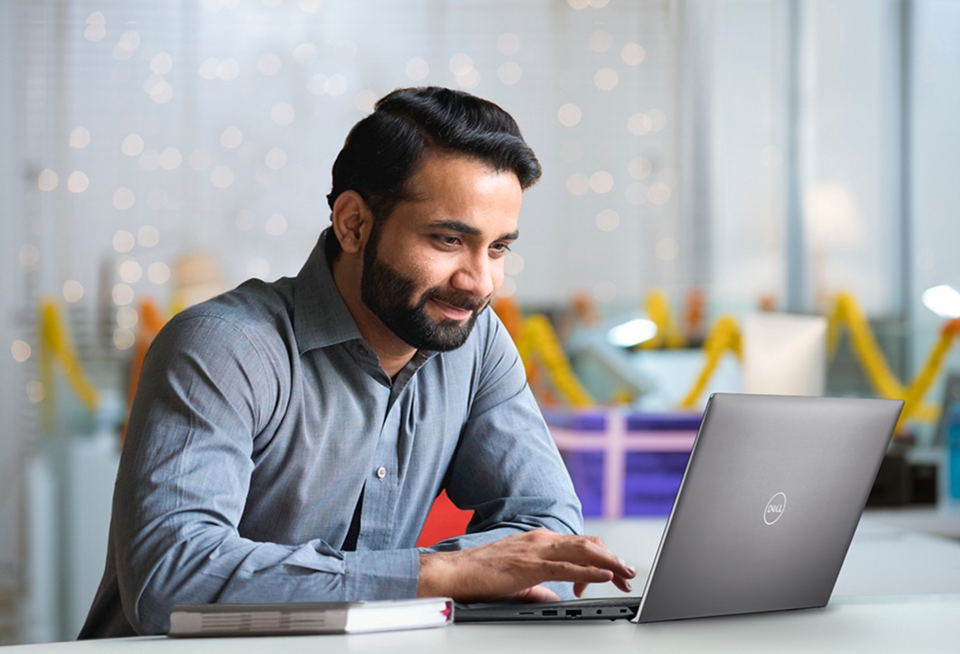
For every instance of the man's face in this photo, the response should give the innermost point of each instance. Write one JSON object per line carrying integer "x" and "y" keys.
{"x": 435, "y": 262}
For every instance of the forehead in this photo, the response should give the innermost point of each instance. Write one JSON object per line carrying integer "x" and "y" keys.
{"x": 445, "y": 172}
{"x": 463, "y": 188}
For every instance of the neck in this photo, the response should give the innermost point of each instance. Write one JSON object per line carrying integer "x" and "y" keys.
{"x": 393, "y": 352}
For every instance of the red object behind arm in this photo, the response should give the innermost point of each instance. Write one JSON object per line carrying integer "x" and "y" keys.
{"x": 445, "y": 521}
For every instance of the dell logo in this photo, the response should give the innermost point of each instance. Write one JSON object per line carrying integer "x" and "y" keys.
{"x": 774, "y": 508}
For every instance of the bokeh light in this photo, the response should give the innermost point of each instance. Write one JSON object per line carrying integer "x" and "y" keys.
{"x": 608, "y": 220}
{"x": 161, "y": 63}
{"x": 127, "y": 317}
{"x": 123, "y": 199}
{"x": 123, "y": 241}
{"x": 47, "y": 180}
{"x": 606, "y": 79}
{"x": 275, "y": 159}
{"x": 132, "y": 145}
{"x": 639, "y": 124}
{"x": 130, "y": 271}
{"x": 79, "y": 137}
{"x": 276, "y": 225}
{"x": 170, "y": 158}
{"x": 72, "y": 290}
{"x": 122, "y": 294}
{"x": 221, "y": 176}
{"x": 513, "y": 263}
{"x": 658, "y": 193}
{"x": 569, "y": 114}
{"x": 639, "y": 168}
{"x": 148, "y": 236}
{"x": 509, "y": 72}
{"x": 96, "y": 27}
{"x": 633, "y": 54}
{"x": 123, "y": 339}
{"x": 578, "y": 184}
{"x": 20, "y": 350}
{"x": 306, "y": 53}
{"x": 282, "y": 113}
{"x": 417, "y": 70}
{"x": 29, "y": 255}
{"x": 601, "y": 182}
{"x": 231, "y": 137}
{"x": 364, "y": 101}
{"x": 78, "y": 182}
{"x": 158, "y": 272}
{"x": 35, "y": 391}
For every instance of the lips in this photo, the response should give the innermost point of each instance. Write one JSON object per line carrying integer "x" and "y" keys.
{"x": 451, "y": 311}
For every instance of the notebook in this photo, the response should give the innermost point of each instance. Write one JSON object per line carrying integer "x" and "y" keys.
{"x": 771, "y": 497}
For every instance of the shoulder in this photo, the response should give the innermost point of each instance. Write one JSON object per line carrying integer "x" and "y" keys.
{"x": 256, "y": 316}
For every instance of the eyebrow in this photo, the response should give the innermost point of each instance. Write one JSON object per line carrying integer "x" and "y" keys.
{"x": 464, "y": 228}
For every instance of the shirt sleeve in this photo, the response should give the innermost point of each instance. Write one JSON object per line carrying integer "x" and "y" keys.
{"x": 184, "y": 478}
{"x": 507, "y": 468}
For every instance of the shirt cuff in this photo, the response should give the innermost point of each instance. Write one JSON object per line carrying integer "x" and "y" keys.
{"x": 381, "y": 575}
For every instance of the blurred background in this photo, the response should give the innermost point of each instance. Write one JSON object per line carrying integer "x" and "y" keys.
{"x": 710, "y": 168}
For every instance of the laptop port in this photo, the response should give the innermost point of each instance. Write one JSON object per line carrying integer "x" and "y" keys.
{"x": 574, "y": 613}
{"x": 550, "y": 612}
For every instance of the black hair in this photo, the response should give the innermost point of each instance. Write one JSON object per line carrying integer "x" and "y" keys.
{"x": 383, "y": 150}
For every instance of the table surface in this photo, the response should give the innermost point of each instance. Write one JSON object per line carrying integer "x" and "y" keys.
{"x": 898, "y": 591}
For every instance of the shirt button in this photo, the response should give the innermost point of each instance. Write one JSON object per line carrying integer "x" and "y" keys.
{"x": 362, "y": 350}
{"x": 381, "y": 472}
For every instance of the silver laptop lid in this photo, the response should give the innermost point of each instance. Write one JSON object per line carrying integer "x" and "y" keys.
{"x": 768, "y": 505}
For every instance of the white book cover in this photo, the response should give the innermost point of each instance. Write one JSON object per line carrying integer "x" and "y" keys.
{"x": 299, "y": 618}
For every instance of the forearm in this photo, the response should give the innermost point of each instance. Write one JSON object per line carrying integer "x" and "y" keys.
{"x": 212, "y": 567}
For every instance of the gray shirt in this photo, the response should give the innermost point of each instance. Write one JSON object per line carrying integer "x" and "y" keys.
{"x": 260, "y": 417}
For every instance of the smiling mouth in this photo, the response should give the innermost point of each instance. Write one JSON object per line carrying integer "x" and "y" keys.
{"x": 452, "y": 312}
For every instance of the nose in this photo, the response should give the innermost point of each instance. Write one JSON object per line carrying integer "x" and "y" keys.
{"x": 475, "y": 276}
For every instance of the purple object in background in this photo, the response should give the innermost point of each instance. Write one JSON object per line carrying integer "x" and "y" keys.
{"x": 653, "y": 465}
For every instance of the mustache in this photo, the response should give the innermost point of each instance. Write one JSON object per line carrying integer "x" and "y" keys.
{"x": 463, "y": 301}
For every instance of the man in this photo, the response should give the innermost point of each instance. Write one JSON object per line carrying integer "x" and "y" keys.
{"x": 288, "y": 439}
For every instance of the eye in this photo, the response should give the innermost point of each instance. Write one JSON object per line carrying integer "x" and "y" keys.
{"x": 446, "y": 240}
{"x": 500, "y": 249}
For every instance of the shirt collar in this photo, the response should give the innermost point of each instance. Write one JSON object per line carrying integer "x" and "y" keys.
{"x": 321, "y": 317}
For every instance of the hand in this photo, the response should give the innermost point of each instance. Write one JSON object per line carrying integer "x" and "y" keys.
{"x": 513, "y": 568}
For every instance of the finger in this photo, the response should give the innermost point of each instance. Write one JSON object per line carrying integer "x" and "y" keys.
{"x": 623, "y": 584}
{"x": 590, "y": 551}
{"x": 537, "y": 594}
{"x": 578, "y": 589}
{"x": 565, "y": 571}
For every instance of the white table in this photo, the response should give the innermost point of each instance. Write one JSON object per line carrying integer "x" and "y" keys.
{"x": 926, "y": 623}
{"x": 898, "y": 591}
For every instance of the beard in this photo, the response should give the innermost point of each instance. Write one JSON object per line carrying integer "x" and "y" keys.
{"x": 390, "y": 295}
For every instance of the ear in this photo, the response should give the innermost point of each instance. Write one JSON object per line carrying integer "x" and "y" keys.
{"x": 352, "y": 221}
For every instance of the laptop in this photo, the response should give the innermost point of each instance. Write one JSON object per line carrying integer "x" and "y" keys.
{"x": 770, "y": 500}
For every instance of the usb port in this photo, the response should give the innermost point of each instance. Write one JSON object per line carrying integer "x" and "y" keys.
{"x": 550, "y": 612}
